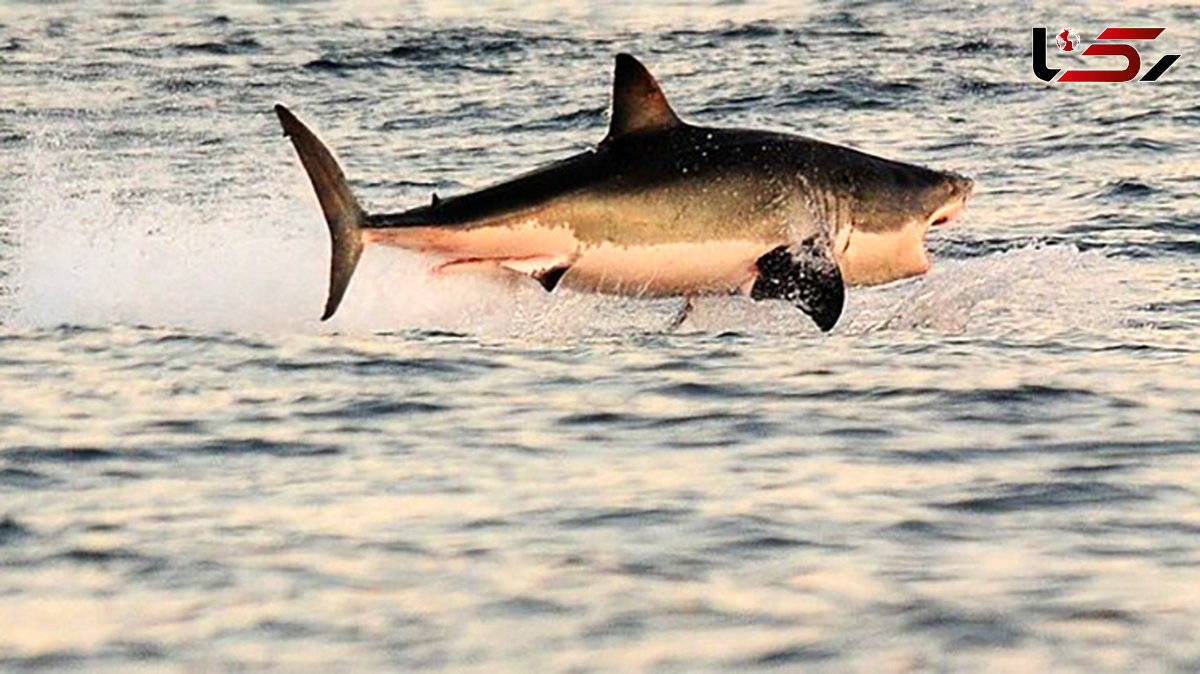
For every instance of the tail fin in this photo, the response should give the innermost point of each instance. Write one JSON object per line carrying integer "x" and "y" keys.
{"x": 342, "y": 212}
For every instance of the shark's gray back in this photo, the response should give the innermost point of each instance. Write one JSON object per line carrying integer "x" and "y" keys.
{"x": 690, "y": 182}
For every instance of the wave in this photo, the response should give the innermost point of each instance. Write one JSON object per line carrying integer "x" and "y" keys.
{"x": 260, "y": 266}
{"x": 84, "y": 250}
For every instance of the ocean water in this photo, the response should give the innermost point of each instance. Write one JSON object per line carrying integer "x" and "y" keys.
{"x": 995, "y": 467}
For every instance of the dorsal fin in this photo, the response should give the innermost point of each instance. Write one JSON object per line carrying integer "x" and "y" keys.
{"x": 435, "y": 201}
{"x": 638, "y": 102}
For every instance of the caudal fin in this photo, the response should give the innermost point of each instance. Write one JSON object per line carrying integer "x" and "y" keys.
{"x": 342, "y": 212}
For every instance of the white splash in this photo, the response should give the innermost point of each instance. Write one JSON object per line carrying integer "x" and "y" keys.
{"x": 96, "y": 253}
{"x": 1026, "y": 289}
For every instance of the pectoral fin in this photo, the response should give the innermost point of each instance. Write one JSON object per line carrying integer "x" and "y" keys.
{"x": 806, "y": 275}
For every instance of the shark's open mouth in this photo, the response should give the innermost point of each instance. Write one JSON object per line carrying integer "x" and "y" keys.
{"x": 951, "y": 210}
{"x": 948, "y": 212}
{"x": 871, "y": 258}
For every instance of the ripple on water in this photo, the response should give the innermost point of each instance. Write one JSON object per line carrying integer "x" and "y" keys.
{"x": 707, "y": 391}
{"x": 984, "y": 45}
{"x": 1093, "y": 468}
{"x": 374, "y": 409}
{"x": 788, "y": 656}
{"x": 288, "y": 629}
{"x": 911, "y": 529}
{"x": 623, "y": 517}
{"x": 1090, "y": 614}
{"x": 601, "y": 419}
{"x": 1021, "y": 402}
{"x": 33, "y": 454}
{"x": 1024, "y": 394}
{"x": 670, "y": 566}
{"x": 961, "y": 628}
{"x": 1021, "y": 497}
{"x": 24, "y": 478}
{"x": 759, "y": 545}
{"x": 373, "y": 366}
{"x": 218, "y": 339}
{"x": 720, "y": 421}
{"x": 261, "y": 447}
{"x": 1119, "y": 450}
{"x": 177, "y": 426}
{"x": 581, "y": 118}
{"x": 107, "y": 556}
{"x": 1124, "y": 190}
{"x": 12, "y": 531}
{"x": 754, "y": 536}
{"x": 232, "y": 46}
{"x": 524, "y": 606}
{"x": 829, "y": 97}
{"x": 61, "y": 660}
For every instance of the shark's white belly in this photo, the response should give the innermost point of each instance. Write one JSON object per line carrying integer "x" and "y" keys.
{"x": 665, "y": 269}
{"x": 715, "y": 267}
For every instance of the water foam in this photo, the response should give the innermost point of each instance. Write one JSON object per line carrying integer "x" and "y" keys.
{"x": 1033, "y": 288}
{"x": 95, "y": 252}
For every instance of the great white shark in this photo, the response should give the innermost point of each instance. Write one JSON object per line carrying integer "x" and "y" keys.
{"x": 661, "y": 207}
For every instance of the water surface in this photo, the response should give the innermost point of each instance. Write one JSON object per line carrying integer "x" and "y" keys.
{"x": 992, "y": 468}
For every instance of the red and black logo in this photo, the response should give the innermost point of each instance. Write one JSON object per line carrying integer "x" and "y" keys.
{"x": 1108, "y": 43}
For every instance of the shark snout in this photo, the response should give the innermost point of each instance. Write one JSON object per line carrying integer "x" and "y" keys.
{"x": 884, "y": 254}
{"x": 957, "y": 190}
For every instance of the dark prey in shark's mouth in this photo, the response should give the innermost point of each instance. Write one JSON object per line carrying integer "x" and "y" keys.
{"x": 665, "y": 208}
